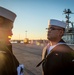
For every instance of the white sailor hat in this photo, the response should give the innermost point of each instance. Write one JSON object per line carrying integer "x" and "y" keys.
{"x": 57, "y": 23}
{"x": 7, "y": 14}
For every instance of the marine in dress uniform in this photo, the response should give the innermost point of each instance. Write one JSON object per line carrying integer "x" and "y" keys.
{"x": 57, "y": 56}
{"x": 8, "y": 62}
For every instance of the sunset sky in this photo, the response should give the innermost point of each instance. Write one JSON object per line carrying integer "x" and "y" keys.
{"x": 33, "y": 15}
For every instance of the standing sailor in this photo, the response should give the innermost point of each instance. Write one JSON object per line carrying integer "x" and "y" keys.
{"x": 8, "y": 62}
{"x": 57, "y": 56}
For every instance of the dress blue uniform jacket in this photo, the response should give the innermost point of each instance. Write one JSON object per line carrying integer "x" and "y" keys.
{"x": 8, "y": 62}
{"x": 59, "y": 62}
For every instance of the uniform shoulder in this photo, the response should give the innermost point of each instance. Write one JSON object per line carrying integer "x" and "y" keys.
{"x": 2, "y": 58}
{"x": 64, "y": 48}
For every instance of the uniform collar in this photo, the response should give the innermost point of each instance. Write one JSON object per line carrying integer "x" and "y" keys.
{"x": 62, "y": 41}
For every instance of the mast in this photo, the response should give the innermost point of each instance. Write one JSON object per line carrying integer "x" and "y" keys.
{"x": 68, "y": 12}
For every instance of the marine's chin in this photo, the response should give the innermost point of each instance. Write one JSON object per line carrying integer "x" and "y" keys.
{"x": 48, "y": 38}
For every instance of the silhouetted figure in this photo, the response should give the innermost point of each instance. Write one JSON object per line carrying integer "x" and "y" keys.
{"x": 8, "y": 62}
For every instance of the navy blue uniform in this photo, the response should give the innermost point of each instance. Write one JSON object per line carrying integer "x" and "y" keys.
{"x": 8, "y": 62}
{"x": 59, "y": 62}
